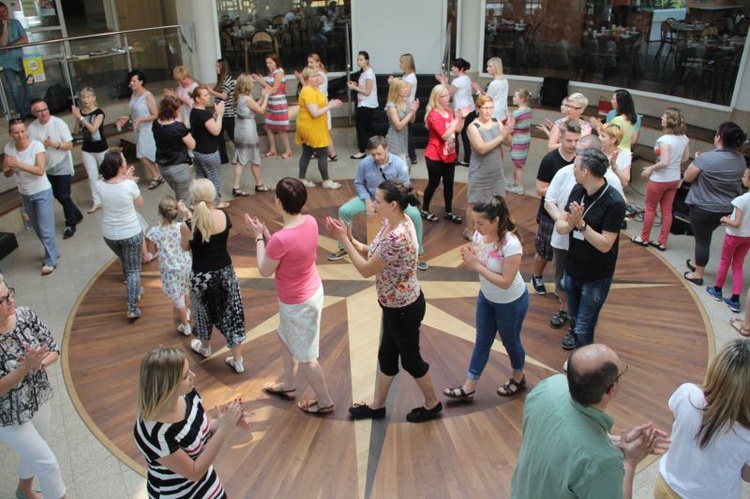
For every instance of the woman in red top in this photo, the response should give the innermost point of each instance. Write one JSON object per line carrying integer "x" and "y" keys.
{"x": 440, "y": 154}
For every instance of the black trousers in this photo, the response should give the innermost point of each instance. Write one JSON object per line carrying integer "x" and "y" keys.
{"x": 227, "y": 126}
{"x": 364, "y": 126}
{"x": 61, "y": 192}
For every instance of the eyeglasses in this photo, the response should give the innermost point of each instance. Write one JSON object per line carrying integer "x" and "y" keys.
{"x": 574, "y": 107}
{"x": 7, "y": 298}
{"x": 37, "y": 111}
{"x": 617, "y": 379}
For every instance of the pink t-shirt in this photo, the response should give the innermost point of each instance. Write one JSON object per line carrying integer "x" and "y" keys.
{"x": 297, "y": 276}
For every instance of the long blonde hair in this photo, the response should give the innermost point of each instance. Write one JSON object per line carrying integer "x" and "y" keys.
{"x": 727, "y": 392}
{"x": 497, "y": 63}
{"x": 159, "y": 380}
{"x": 394, "y": 93}
{"x": 203, "y": 193}
{"x": 433, "y": 100}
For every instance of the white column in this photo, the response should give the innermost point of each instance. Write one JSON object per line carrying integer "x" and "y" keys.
{"x": 204, "y": 17}
{"x": 470, "y": 26}
{"x": 741, "y": 97}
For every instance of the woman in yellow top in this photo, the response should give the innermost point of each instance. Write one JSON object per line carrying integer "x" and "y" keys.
{"x": 312, "y": 128}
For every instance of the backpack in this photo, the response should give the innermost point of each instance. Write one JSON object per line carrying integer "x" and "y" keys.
{"x": 681, "y": 213}
{"x": 58, "y": 99}
{"x": 553, "y": 91}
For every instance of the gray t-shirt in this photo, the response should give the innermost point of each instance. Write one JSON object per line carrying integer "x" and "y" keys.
{"x": 719, "y": 182}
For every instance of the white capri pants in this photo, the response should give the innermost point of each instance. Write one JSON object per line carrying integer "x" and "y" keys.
{"x": 37, "y": 459}
{"x": 91, "y": 161}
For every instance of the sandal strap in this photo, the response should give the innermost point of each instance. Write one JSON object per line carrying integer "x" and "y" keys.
{"x": 512, "y": 386}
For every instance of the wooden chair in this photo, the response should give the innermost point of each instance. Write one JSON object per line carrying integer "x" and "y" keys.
{"x": 260, "y": 44}
{"x": 741, "y": 28}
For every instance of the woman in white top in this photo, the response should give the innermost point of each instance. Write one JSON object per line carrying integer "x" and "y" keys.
{"x": 495, "y": 254}
{"x": 406, "y": 64}
{"x": 314, "y": 62}
{"x": 619, "y": 160}
{"x": 497, "y": 89}
{"x": 367, "y": 102}
{"x": 25, "y": 159}
{"x": 122, "y": 232}
{"x": 710, "y": 451}
{"x": 460, "y": 90}
{"x": 672, "y": 149}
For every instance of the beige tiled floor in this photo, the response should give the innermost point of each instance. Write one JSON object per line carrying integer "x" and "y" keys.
{"x": 89, "y": 470}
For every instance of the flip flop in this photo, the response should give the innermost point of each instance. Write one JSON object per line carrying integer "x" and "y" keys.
{"x": 286, "y": 155}
{"x": 312, "y": 407}
{"x": 271, "y": 389}
{"x": 269, "y": 154}
{"x": 657, "y": 246}
{"x": 737, "y": 324}
{"x": 637, "y": 240}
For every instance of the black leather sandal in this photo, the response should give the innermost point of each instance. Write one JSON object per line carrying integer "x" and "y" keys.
{"x": 512, "y": 387}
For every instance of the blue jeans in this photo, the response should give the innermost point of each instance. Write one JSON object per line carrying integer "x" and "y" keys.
{"x": 585, "y": 300}
{"x": 356, "y": 206}
{"x": 506, "y": 319}
{"x": 18, "y": 90}
{"x": 41, "y": 214}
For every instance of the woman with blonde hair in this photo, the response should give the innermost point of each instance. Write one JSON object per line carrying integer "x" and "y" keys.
{"x": 440, "y": 153}
{"x": 497, "y": 89}
{"x": 710, "y": 451}
{"x": 175, "y": 433}
{"x": 214, "y": 289}
{"x": 619, "y": 161}
{"x": 573, "y": 108}
{"x": 89, "y": 119}
{"x": 246, "y": 141}
{"x": 401, "y": 113}
{"x": 407, "y": 65}
{"x": 664, "y": 176}
{"x": 185, "y": 87}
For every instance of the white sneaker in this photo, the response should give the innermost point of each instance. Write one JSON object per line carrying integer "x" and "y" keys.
{"x": 188, "y": 315}
{"x": 185, "y": 329}
{"x": 197, "y": 347}
{"x": 565, "y": 366}
{"x": 237, "y": 366}
{"x": 330, "y": 184}
{"x": 307, "y": 183}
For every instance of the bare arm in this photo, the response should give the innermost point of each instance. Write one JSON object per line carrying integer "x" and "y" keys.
{"x": 258, "y": 107}
{"x": 367, "y": 267}
{"x": 213, "y": 124}
{"x": 691, "y": 173}
{"x": 478, "y": 143}
{"x": 511, "y": 265}
{"x": 541, "y": 188}
{"x": 554, "y": 138}
{"x": 400, "y": 124}
{"x": 38, "y": 168}
{"x": 727, "y": 220}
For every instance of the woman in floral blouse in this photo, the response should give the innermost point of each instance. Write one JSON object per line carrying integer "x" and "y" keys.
{"x": 392, "y": 258}
{"x": 26, "y": 350}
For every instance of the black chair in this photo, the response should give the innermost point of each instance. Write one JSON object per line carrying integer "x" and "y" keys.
{"x": 668, "y": 37}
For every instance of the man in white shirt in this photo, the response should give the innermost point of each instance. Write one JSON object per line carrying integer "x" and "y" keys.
{"x": 58, "y": 142}
{"x": 555, "y": 199}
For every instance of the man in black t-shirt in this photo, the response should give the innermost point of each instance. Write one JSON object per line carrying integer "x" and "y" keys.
{"x": 594, "y": 213}
{"x": 551, "y": 163}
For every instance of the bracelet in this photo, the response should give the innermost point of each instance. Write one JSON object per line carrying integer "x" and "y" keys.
{"x": 259, "y": 239}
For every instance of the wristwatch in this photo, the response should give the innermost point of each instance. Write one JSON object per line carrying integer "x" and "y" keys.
{"x": 583, "y": 227}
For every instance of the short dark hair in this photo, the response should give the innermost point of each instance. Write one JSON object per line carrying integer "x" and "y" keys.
{"x": 168, "y": 108}
{"x": 461, "y": 63}
{"x": 375, "y": 141}
{"x": 140, "y": 74}
{"x": 111, "y": 163}
{"x": 572, "y": 126}
{"x": 364, "y": 54}
{"x": 593, "y": 160}
{"x": 36, "y": 101}
{"x": 588, "y": 388}
{"x": 732, "y": 136}
{"x": 292, "y": 194}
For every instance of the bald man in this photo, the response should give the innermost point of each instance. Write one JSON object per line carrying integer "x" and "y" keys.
{"x": 567, "y": 450}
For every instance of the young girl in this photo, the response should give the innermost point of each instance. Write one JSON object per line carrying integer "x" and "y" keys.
{"x": 170, "y": 237}
{"x": 734, "y": 248}
{"x": 401, "y": 112}
{"x": 521, "y": 141}
{"x": 246, "y": 141}
{"x": 89, "y": 120}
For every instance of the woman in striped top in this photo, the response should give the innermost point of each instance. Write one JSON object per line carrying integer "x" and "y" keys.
{"x": 277, "y": 113}
{"x": 179, "y": 440}
{"x": 224, "y": 91}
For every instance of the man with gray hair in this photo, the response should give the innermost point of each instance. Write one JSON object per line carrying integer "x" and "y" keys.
{"x": 593, "y": 215}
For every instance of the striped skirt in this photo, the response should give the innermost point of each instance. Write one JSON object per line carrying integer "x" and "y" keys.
{"x": 277, "y": 114}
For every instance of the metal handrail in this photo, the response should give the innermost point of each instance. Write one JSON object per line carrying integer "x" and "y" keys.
{"x": 65, "y": 56}
{"x": 86, "y": 37}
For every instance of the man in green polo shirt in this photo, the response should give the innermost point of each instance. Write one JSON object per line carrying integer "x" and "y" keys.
{"x": 567, "y": 451}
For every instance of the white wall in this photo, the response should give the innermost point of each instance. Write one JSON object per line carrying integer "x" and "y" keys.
{"x": 204, "y": 17}
{"x": 388, "y": 28}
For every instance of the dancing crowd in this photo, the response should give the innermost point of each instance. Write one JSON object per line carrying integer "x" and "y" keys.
{"x": 581, "y": 182}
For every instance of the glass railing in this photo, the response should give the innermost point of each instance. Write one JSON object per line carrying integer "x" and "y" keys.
{"x": 98, "y": 61}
